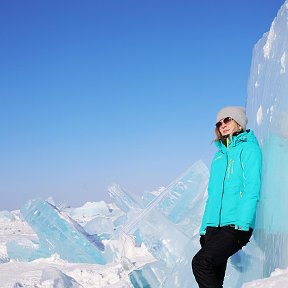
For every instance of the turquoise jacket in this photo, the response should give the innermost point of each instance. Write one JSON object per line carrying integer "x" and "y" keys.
{"x": 234, "y": 184}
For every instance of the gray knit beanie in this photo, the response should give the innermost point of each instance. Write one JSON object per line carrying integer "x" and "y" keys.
{"x": 235, "y": 112}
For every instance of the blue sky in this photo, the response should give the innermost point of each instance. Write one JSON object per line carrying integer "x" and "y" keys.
{"x": 100, "y": 92}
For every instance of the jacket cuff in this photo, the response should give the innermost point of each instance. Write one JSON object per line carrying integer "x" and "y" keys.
{"x": 202, "y": 232}
{"x": 242, "y": 228}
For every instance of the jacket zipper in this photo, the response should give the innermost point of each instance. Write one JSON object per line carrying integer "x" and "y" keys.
{"x": 223, "y": 183}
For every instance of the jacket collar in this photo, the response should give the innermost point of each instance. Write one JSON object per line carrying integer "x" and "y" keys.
{"x": 245, "y": 136}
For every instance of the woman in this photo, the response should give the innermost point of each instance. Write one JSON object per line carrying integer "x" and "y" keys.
{"x": 233, "y": 193}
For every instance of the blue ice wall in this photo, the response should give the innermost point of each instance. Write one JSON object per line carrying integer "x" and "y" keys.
{"x": 267, "y": 108}
{"x": 58, "y": 233}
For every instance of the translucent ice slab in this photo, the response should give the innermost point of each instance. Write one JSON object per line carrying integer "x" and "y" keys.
{"x": 176, "y": 201}
{"x": 167, "y": 226}
{"x": 58, "y": 233}
{"x": 123, "y": 199}
{"x": 26, "y": 250}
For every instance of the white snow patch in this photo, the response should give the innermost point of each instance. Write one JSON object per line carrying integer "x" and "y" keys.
{"x": 271, "y": 109}
{"x": 270, "y": 38}
{"x": 259, "y": 69}
{"x": 259, "y": 115}
{"x": 54, "y": 272}
{"x": 283, "y": 62}
{"x": 278, "y": 279}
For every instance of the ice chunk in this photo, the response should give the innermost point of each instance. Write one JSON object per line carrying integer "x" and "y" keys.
{"x": 151, "y": 275}
{"x": 164, "y": 226}
{"x": 102, "y": 226}
{"x": 58, "y": 233}
{"x": 181, "y": 194}
{"x": 162, "y": 239}
{"x": 53, "y": 277}
{"x": 130, "y": 204}
{"x": 157, "y": 274}
{"x": 178, "y": 199}
{"x": 24, "y": 249}
{"x": 149, "y": 196}
{"x": 267, "y": 109}
{"x": 120, "y": 221}
{"x": 90, "y": 210}
{"x": 123, "y": 199}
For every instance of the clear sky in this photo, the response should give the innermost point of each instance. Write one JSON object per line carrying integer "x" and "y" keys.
{"x": 98, "y": 92}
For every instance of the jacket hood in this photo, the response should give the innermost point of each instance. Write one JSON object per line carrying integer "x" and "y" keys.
{"x": 246, "y": 136}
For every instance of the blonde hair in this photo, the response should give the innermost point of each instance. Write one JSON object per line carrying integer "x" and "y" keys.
{"x": 218, "y": 134}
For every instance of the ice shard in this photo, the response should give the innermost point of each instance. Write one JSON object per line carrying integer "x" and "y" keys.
{"x": 58, "y": 233}
{"x": 164, "y": 226}
{"x": 26, "y": 250}
{"x": 130, "y": 204}
{"x": 89, "y": 210}
{"x": 123, "y": 199}
{"x": 102, "y": 226}
{"x": 54, "y": 277}
{"x": 176, "y": 200}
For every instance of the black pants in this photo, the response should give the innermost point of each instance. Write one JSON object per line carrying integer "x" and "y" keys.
{"x": 219, "y": 243}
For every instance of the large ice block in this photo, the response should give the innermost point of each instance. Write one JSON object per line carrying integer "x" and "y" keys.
{"x": 24, "y": 249}
{"x": 181, "y": 195}
{"x": 58, "y": 233}
{"x": 150, "y": 275}
{"x": 130, "y": 204}
{"x": 167, "y": 226}
{"x": 267, "y": 108}
{"x": 175, "y": 202}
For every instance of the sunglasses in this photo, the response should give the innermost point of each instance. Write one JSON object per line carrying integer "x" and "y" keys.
{"x": 225, "y": 121}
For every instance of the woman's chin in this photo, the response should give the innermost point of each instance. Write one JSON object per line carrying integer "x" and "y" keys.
{"x": 225, "y": 133}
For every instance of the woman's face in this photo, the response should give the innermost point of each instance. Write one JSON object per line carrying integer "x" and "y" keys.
{"x": 229, "y": 127}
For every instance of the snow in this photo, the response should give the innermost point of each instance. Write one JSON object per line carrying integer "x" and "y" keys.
{"x": 55, "y": 272}
{"x": 278, "y": 279}
{"x": 270, "y": 39}
{"x": 259, "y": 115}
{"x": 283, "y": 62}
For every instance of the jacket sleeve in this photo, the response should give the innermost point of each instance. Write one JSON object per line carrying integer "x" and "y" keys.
{"x": 204, "y": 222}
{"x": 251, "y": 161}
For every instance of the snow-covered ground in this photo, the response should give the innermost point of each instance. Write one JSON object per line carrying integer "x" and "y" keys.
{"x": 54, "y": 272}
{"x": 278, "y": 279}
